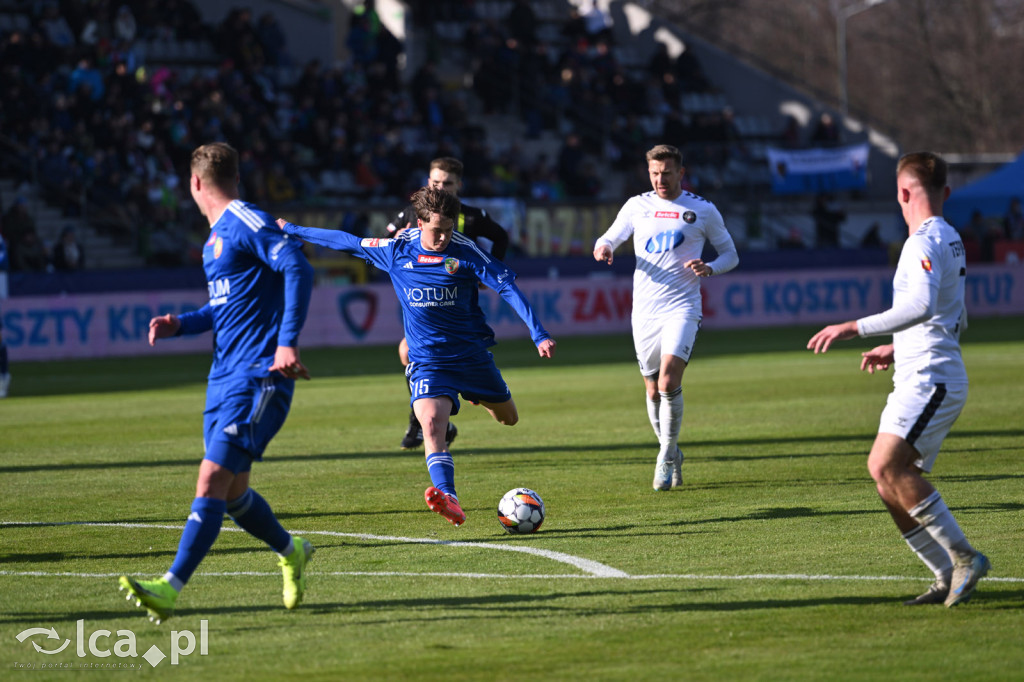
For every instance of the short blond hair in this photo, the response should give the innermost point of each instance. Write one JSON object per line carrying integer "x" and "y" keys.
{"x": 663, "y": 152}
{"x": 217, "y": 164}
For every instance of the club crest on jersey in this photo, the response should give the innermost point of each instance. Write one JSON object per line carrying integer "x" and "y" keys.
{"x": 690, "y": 217}
{"x": 218, "y": 247}
{"x": 926, "y": 263}
{"x": 424, "y": 258}
{"x": 451, "y": 265}
{"x": 674, "y": 215}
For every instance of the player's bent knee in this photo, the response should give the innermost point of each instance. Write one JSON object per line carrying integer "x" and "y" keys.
{"x": 878, "y": 471}
{"x": 507, "y": 416}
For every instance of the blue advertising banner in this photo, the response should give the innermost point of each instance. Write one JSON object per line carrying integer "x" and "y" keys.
{"x": 810, "y": 171}
{"x": 112, "y": 325}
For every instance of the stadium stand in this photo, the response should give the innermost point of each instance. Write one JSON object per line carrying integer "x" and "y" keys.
{"x": 542, "y": 102}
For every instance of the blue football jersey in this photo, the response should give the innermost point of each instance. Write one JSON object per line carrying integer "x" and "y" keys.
{"x": 438, "y": 290}
{"x": 260, "y": 284}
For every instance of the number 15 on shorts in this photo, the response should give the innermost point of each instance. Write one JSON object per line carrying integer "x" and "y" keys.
{"x": 419, "y": 387}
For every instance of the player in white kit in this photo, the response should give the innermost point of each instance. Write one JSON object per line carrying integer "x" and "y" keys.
{"x": 929, "y": 382}
{"x": 669, "y": 228}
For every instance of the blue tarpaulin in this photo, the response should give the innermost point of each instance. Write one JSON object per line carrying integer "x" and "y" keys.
{"x": 991, "y": 194}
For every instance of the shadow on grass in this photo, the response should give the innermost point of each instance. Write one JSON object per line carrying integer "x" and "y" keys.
{"x": 145, "y": 373}
{"x": 989, "y": 597}
{"x": 614, "y": 603}
{"x": 170, "y": 551}
{"x": 642, "y": 449}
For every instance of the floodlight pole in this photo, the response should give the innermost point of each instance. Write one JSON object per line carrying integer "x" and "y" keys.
{"x": 842, "y": 15}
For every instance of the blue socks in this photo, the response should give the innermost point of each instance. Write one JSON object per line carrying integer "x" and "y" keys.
{"x": 201, "y": 530}
{"x": 253, "y": 515}
{"x": 442, "y": 472}
{"x": 250, "y": 511}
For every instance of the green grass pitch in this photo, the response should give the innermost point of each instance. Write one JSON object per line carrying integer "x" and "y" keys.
{"x": 775, "y": 561}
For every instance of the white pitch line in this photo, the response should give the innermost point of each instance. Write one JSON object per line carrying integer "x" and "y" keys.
{"x": 594, "y": 570}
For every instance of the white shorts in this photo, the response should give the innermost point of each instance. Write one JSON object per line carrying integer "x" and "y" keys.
{"x": 669, "y": 336}
{"x": 922, "y": 415}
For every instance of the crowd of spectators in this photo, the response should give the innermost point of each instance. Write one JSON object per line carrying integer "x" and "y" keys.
{"x": 97, "y": 118}
{"x": 579, "y": 87}
{"x": 27, "y": 251}
{"x": 983, "y": 233}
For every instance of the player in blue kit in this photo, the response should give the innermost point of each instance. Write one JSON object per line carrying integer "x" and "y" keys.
{"x": 436, "y": 272}
{"x": 260, "y": 285}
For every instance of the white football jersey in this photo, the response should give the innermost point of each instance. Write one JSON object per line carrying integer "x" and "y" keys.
{"x": 932, "y": 269}
{"x": 667, "y": 234}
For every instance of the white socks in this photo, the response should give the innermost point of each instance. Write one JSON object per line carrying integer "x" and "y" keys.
{"x": 934, "y": 515}
{"x": 931, "y": 553}
{"x": 670, "y": 419}
{"x": 653, "y": 406}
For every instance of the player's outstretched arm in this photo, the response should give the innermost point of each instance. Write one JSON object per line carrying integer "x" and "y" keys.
{"x": 880, "y": 358}
{"x": 823, "y": 340}
{"x": 163, "y": 327}
{"x": 338, "y": 240}
{"x": 514, "y": 297}
{"x": 286, "y": 361}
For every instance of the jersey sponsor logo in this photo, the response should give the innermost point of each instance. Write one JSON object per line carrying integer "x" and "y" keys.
{"x": 926, "y": 263}
{"x": 667, "y": 214}
{"x": 431, "y": 297}
{"x": 690, "y": 217}
{"x": 371, "y": 242}
{"x": 451, "y": 265}
{"x": 218, "y": 247}
{"x": 424, "y": 258}
{"x": 665, "y": 241}
{"x": 219, "y": 290}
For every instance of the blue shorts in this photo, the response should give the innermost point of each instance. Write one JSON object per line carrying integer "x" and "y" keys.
{"x": 242, "y": 415}
{"x": 476, "y": 378}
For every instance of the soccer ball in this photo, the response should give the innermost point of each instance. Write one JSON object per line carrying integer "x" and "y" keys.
{"x": 520, "y": 511}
